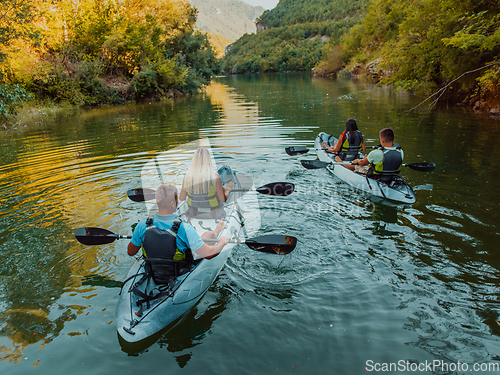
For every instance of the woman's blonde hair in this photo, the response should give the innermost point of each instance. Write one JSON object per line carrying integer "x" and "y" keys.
{"x": 201, "y": 173}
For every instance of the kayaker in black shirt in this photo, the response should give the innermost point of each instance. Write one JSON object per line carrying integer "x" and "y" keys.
{"x": 350, "y": 142}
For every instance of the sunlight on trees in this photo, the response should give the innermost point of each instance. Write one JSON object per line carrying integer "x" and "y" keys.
{"x": 93, "y": 52}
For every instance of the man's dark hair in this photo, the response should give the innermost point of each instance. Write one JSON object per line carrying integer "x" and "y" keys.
{"x": 387, "y": 134}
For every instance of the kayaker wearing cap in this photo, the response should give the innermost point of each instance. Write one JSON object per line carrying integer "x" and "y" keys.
{"x": 382, "y": 162}
{"x": 153, "y": 233}
{"x": 202, "y": 185}
{"x": 350, "y": 142}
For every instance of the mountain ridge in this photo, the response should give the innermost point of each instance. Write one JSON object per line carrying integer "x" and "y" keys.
{"x": 228, "y": 18}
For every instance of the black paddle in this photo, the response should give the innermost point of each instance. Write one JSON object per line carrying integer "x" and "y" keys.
{"x": 281, "y": 189}
{"x": 271, "y": 243}
{"x": 316, "y": 164}
{"x": 298, "y": 150}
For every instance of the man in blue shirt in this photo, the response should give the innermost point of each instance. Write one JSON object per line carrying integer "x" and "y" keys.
{"x": 187, "y": 237}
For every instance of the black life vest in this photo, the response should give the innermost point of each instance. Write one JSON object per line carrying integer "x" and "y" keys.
{"x": 163, "y": 259}
{"x": 350, "y": 146}
{"x": 389, "y": 166}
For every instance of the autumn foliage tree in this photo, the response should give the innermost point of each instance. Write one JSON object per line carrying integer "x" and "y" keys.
{"x": 94, "y": 52}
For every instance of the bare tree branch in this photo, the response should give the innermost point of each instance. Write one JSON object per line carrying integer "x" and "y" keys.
{"x": 442, "y": 90}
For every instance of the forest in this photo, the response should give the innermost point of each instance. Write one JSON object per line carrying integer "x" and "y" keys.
{"x": 292, "y": 12}
{"x": 285, "y": 48}
{"x": 446, "y": 48}
{"x": 293, "y": 36}
{"x": 107, "y": 52}
{"x": 94, "y": 52}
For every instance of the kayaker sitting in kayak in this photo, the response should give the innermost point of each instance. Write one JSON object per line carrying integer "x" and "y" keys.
{"x": 155, "y": 235}
{"x": 349, "y": 144}
{"x": 382, "y": 163}
{"x": 202, "y": 185}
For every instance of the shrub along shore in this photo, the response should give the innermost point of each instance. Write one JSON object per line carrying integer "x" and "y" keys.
{"x": 95, "y": 53}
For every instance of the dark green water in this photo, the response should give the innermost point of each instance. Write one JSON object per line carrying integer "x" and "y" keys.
{"x": 402, "y": 285}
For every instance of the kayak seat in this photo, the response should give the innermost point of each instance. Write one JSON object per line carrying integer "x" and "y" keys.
{"x": 164, "y": 270}
{"x": 353, "y": 156}
{"x": 210, "y": 213}
{"x": 386, "y": 177}
{"x": 327, "y": 138}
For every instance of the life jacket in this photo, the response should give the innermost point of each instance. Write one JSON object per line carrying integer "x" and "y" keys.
{"x": 210, "y": 200}
{"x": 350, "y": 147}
{"x": 162, "y": 257}
{"x": 389, "y": 166}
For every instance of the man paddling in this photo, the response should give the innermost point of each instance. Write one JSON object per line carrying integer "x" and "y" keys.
{"x": 154, "y": 234}
{"x": 382, "y": 162}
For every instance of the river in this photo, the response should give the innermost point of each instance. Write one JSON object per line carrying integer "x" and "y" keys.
{"x": 370, "y": 286}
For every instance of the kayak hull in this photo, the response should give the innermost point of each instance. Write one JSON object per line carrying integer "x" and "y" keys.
{"x": 137, "y": 323}
{"x": 397, "y": 191}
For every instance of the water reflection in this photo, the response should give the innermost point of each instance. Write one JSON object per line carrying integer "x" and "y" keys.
{"x": 185, "y": 333}
{"x": 423, "y": 278}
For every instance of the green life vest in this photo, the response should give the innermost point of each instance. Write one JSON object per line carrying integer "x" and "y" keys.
{"x": 162, "y": 258}
{"x": 350, "y": 148}
{"x": 210, "y": 200}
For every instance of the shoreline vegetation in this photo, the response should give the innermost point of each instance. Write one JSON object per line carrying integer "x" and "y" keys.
{"x": 447, "y": 51}
{"x": 94, "y": 53}
{"x": 64, "y": 55}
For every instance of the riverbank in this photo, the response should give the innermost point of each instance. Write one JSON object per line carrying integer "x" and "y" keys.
{"x": 36, "y": 113}
{"x": 480, "y": 104}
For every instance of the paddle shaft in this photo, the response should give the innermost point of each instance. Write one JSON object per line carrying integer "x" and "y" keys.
{"x": 212, "y": 240}
{"x": 273, "y": 244}
{"x": 297, "y": 150}
{"x": 282, "y": 189}
{"x": 215, "y": 240}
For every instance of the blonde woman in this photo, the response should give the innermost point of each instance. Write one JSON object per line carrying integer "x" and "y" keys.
{"x": 202, "y": 185}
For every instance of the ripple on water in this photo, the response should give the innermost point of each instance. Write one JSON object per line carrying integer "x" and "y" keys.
{"x": 366, "y": 280}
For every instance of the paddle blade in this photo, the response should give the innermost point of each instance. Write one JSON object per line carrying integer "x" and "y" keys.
{"x": 292, "y": 151}
{"x": 141, "y": 195}
{"x": 281, "y": 189}
{"x": 94, "y": 236}
{"x": 272, "y": 243}
{"x": 314, "y": 164}
{"x": 422, "y": 167}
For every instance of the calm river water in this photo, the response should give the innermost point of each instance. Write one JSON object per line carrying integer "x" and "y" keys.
{"x": 369, "y": 284}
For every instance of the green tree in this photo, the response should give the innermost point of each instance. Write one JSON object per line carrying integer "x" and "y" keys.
{"x": 16, "y": 18}
{"x": 426, "y": 45}
{"x": 93, "y": 52}
{"x": 294, "y": 35}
